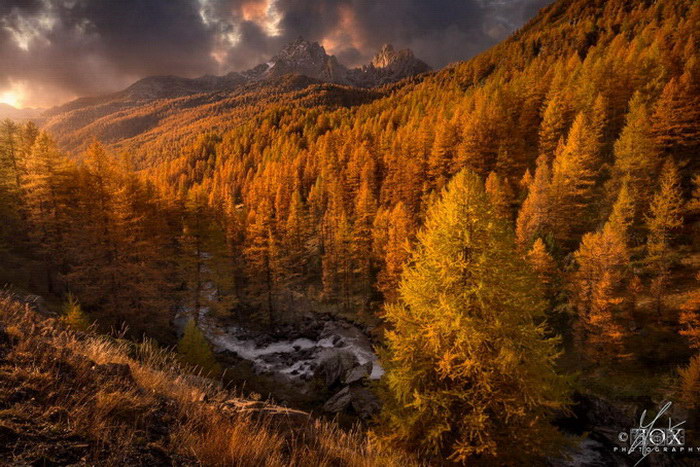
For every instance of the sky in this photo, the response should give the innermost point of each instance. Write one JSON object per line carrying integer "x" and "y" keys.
{"x": 52, "y": 51}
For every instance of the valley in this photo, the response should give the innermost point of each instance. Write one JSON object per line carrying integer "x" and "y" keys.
{"x": 496, "y": 262}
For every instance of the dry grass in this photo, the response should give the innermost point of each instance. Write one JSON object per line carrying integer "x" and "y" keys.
{"x": 68, "y": 397}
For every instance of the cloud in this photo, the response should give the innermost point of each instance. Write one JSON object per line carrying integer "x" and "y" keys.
{"x": 55, "y": 50}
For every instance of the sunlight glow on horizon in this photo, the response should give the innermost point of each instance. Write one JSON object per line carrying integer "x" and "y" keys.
{"x": 12, "y": 97}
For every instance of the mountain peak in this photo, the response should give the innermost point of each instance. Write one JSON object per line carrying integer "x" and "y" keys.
{"x": 306, "y": 58}
{"x": 300, "y": 50}
{"x": 388, "y": 57}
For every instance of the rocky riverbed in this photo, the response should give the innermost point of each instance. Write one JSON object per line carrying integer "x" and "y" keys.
{"x": 319, "y": 359}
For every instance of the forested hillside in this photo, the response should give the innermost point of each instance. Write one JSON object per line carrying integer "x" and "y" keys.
{"x": 505, "y": 223}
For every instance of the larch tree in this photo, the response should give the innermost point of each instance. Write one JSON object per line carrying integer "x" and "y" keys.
{"x": 663, "y": 220}
{"x": 470, "y": 372}
{"x": 575, "y": 172}
{"x": 635, "y": 151}
{"x": 97, "y": 275}
{"x": 534, "y": 217}
{"x": 690, "y": 316}
{"x": 598, "y": 284}
{"x": 297, "y": 242}
{"x": 400, "y": 231}
{"x": 442, "y": 154}
{"x": 73, "y": 314}
{"x": 12, "y": 227}
{"x": 500, "y": 195}
{"x": 49, "y": 196}
{"x": 193, "y": 349}
{"x": 258, "y": 252}
{"x": 556, "y": 120}
{"x": 676, "y": 122}
{"x": 365, "y": 211}
{"x": 544, "y": 266}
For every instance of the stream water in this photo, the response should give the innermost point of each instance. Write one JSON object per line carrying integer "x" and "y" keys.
{"x": 293, "y": 359}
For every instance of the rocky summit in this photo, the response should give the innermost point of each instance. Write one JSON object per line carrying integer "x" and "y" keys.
{"x": 310, "y": 59}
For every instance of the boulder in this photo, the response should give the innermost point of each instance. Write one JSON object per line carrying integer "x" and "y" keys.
{"x": 360, "y": 399}
{"x": 334, "y": 365}
{"x": 364, "y": 402}
{"x": 358, "y": 373}
{"x": 339, "y": 402}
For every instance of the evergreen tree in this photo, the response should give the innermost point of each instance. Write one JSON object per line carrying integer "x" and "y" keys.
{"x": 469, "y": 371}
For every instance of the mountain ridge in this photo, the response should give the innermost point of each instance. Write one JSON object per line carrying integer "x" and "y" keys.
{"x": 298, "y": 57}
{"x": 143, "y": 105}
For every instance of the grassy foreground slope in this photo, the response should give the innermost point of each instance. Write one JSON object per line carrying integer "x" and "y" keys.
{"x": 72, "y": 398}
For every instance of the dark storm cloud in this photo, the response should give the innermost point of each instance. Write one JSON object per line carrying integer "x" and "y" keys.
{"x": 52, "y": 50}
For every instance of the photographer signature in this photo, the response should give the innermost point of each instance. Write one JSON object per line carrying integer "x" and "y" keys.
{"x": 648, "y": 437}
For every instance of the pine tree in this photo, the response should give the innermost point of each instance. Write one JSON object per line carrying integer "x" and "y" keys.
{"x": 469, "y": 372}
{"x": 194, "y": 349}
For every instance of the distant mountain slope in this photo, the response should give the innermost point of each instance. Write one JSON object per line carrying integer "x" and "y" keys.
{"x": 13, "y": 113}
{"x": 148, "y": 107}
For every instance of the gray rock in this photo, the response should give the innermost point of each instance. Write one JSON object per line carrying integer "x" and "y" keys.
{"x": 358, "y": 373}
{"x": 334, "y": 365}
{"x": 339, "y": 402}
{"x": 364, "y": 402}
